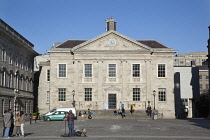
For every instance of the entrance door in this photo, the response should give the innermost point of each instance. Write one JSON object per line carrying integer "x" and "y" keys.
{"x": 112, "y": 101}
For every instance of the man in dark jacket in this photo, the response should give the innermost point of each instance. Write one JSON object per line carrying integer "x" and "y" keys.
{"x": 70, "y": 118}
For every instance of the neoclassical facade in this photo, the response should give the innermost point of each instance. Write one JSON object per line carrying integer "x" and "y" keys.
{"x": 108, "y": 72}
{"x": 16, "y": 70}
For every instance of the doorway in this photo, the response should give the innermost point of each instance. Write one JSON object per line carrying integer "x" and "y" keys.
{"x": 112, "y": 101}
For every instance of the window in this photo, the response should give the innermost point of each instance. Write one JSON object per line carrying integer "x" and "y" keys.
{"x": 88, "y": 70}
{"x": 201, "y": 86}
{"x": 4, "y": 55}
{"x": 11, "y": 81}
{"x": 136, "y": 70}
{"x": 61, "y": 94}
{"x": 21, "y": 63}
{"x": 207, "y": 77}
{"x": 161, "y": 70}
{"x": 26, "y": 66}
{"x": 207, "y": 86}
{"x": 136, "y": 94}
{"x": 184, "y": 102}
{"x": 48, "y": 75}
{"x": 88, "y": 94}
{"x": 48, "y": 96}
{"x": 162, "y": 94}
{"x": 10, "y": 58}
{"x": 112, "y": 70}
{"x": 62, "y": 70}
{"x": 16, "y": 61}
{"x": 4, "y": 79}
{"x": 200, "y": 77}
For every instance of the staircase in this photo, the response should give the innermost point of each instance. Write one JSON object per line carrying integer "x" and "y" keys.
{"x": 109, "y": 114}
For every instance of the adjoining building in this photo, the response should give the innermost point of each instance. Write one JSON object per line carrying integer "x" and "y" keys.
{"x": 16, "y": 70}
{"x": 186, "y": 90}
{"x": 191, "y": 80}
{"x": 188, "y": 59}
{"x": 110, "y": 71}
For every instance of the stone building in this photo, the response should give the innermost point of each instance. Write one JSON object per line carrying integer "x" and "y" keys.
{"x": 188, "y": 59}
{"x": 16, "y": 70}
{"x": 186, "y": 90}
{"x": 108, "y": 72}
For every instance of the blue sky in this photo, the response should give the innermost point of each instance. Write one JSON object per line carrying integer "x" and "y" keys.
{"x": 178, "y": 24}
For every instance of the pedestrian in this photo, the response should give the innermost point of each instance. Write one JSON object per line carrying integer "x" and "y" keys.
{"x": 7, "y": 124}
{"x": 5, "y": 111}
{"x": 123, "y": 113}
{"x": 70, "y": 118}
{"x": 22, "y": 122}
{"x": 17, "y": 124}
{"x": 119, "y": 112}
{"x": 149, "y": 111}
{"x": 80, "y": 114}
{"x": 12, "y": 123}
{"x": 89, "y": 114}
{"x": 115, "y": 112}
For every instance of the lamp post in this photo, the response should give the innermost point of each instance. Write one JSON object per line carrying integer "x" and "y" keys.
{"x": 154, "y": 92}
{"x": 73, "y": 93}
{"x": 15, "y": 96}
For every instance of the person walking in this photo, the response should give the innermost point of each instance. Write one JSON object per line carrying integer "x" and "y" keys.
{"x": 17, "y": 124}
{"x": 70, "y": 118}
{"x": 12, "y": 123}
{"x": 89, "y": 114}
{"x": 22, "y": 122}
{"x": 4, "y": 127}
{"x": 123, "y": 113}
{"x": 7, "y": 124}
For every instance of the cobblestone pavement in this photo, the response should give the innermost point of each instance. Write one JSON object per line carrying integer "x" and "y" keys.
{"x": 196, "y": 129}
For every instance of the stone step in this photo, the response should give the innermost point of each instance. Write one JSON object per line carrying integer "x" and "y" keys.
{"x": 109, "y": 114}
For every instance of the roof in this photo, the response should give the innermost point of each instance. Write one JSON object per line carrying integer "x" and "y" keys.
{"x": 70, "y": 43}
{"x": 152, "y": 43}
{"x": 73, "y": 43}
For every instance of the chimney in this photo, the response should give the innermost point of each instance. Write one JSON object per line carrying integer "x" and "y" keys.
{"x": 110, "y": 24}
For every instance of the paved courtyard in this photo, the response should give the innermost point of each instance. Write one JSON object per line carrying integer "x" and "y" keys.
{"x": 197, "y": 129}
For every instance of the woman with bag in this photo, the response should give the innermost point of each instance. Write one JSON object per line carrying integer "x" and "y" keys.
{"x": 17, "y": 124}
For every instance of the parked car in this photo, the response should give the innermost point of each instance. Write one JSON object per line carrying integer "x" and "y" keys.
{"x": 58, "y": 115}
{"x": 65, "y": 109}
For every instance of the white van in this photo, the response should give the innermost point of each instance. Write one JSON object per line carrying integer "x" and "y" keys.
{"x": 65, "y": 109}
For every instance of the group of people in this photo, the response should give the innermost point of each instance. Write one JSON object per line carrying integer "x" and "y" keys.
{"x": 120, "y": 112}
{"x": 84, "y": 113}
{"x": 10, "y": 121}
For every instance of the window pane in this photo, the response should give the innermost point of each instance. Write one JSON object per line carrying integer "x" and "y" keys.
{"x": 162, "y": 94}
{"x": 88, "y": 94}
{"x": 112, "y": 70}
{"x": 48, "y": 75}
{"x": 136, "y": 94}
{"x": 161, "y": 70}
{"x": 88, "y": 70}
{"x": 61, "y": 94}
{"x": 62, "y": 70}
{"x": 136, "y": 70}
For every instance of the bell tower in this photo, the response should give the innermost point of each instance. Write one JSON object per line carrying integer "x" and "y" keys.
{"x": 110, "y": 24}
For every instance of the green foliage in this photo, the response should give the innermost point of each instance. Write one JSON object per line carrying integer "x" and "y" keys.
{"x": 34, "y": 114}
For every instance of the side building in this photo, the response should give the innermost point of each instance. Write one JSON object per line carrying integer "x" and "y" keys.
{"x": 16, "y": 70}
{"x": 109, "y": 71}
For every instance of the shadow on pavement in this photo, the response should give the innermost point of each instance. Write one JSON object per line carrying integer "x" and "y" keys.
{"x": 200, "y": 122}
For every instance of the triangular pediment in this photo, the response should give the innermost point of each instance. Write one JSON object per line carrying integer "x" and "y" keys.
{"x": 111, "y": 41}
